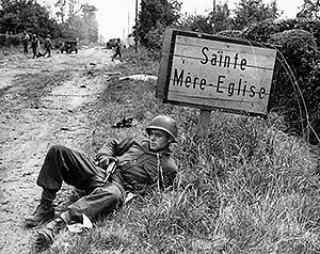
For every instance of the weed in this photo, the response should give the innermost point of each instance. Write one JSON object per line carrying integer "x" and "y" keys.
{"x": 247, "y": 188}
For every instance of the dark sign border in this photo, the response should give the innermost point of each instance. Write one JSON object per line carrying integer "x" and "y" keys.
{"x": 174, "y": 34}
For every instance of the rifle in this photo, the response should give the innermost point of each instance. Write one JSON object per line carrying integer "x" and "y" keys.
{"x": 111, "y": 168}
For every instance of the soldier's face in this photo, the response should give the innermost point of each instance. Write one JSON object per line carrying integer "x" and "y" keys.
{"x": 158, "y": 140}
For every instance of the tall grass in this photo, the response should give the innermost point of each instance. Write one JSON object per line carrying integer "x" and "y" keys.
{"x": 247, "y": 188}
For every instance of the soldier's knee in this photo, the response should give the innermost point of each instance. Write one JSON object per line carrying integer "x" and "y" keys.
{"x": 56, "y": 148}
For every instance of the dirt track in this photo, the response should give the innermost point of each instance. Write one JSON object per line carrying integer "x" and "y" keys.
{"x": 43, "y": 102}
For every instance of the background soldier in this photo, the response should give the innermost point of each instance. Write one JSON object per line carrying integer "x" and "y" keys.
{"x": 35, "y": 44}
{"x": 139, "y": 168}
{"x": 47, "y": 46}
{"x": 117, "y": 49}
{"x": 25, "y": 41}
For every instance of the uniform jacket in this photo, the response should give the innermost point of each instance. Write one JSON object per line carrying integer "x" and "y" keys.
{"x": 48, "y": 43}
{"x": 138, "y": 167}
{"x": 35, "y": 43}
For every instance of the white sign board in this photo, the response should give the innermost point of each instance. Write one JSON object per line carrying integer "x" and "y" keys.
{"x": 214, "y": 72}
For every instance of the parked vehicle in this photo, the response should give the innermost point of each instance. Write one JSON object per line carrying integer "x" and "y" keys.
{"x": 111, "y": 43}
{"x": 69, "y": 46}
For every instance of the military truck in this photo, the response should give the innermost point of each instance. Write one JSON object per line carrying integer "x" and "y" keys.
{"x": 69, "y": 46}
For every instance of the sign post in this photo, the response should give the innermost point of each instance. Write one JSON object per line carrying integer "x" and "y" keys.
{"x": 204, "y": 121}
{"x": 211, "y": 72}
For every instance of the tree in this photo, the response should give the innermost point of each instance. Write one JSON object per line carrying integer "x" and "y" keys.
{"x": 19, "y": 15}
{"x": 61, "y": 6}
{"x": 310, "y": 9}
{"x": 75, "y": 7}
{"x": 197, "y": 23}
{"x": 220, "y": 18}
{"x": 154, "y": 17}
{"x": 90, "y": 24}
{"x": 80, "y": 22}
{"x": 68, "y": 8}
{"x": 253, "y": 11}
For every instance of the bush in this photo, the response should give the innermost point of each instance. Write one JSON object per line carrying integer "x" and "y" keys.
{"x": 262, "y": 31}
{"x": 9, "y": 40}
{"x": 298, "y": 41}
{"x": 232, "y": 33}
{"x": 247, "y": 188}
{"x": 300, "y": 50}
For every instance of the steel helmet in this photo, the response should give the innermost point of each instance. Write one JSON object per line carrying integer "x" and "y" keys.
{"x": 164, "y": 123}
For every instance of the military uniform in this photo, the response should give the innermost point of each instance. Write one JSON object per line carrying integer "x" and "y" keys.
{"x": 117, "y": 49}
{"x": 25, "y": 41}
{"x": 138, "y": 170}
{"x": 47, "y": 46}
{"x": 35, "y": 44}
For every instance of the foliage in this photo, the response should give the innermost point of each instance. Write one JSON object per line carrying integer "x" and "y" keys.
{"x": 8, "y": 40}
{"x": 221, "y": 19}
{"x": 81, "y": 21}
{"x": 61, "y": 5}
{"x": 154, "y": 17}
{"x": 300, "y": 50}
{"x": 247, "y": 188}
{"x": 196, "y": 23}
{"x": 310, "y": 9}
{"x": 263, "y": 30}
{"x": 248, "y": 12}
{"x": 19, "y": 15}
{"x": 252, "y": 11}
{"x": 216, "y": 21}
{"x": 238, "y": 34}
{"x": 298, "y": 41}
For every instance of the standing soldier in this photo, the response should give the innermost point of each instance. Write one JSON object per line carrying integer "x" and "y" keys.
{"x": 35, "y": 44}
{"x": 47, "y": 46}
{"x": 136, "y": 167}
{"x": 117, "y": 49}
{"x": 25, "y": 41}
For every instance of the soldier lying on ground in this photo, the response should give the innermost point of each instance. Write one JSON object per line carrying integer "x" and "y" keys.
{"x": 139, "y": 168}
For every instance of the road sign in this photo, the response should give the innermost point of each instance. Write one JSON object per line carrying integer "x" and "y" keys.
{"x": 211, "y": 72}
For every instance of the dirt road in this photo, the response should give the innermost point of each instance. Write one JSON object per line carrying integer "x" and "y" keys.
{"x": 43, "y": 102}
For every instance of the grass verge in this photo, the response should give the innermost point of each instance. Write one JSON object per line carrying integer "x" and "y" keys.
{"x": 247, "y": 188}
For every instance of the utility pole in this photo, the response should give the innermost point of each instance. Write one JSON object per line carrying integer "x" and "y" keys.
{"x": 213, "y": 14}
{"x": 136, "y": 21}
{"x": 213, "y": 7}
{"x": 128, "y": 23}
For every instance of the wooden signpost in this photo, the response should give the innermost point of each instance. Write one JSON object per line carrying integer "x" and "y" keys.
{"x": 210, "y": 72}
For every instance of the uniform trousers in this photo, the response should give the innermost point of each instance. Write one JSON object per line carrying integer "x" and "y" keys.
{"x": 77, "y": 169}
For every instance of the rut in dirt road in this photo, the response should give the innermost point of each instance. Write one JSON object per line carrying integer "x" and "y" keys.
{"x": 43, "y": 102}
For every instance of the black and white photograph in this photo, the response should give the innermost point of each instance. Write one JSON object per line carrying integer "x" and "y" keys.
{"x": 159, "y": 126}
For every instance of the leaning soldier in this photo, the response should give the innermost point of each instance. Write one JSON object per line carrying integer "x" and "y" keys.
{"x": 139, "y": 168}
{"x": 47, "y": 46}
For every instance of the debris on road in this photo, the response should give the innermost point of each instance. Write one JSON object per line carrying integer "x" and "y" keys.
{"x": 111, "y": 75}
{"x": 143, "y": 77}
{"x": 124, "y": 123}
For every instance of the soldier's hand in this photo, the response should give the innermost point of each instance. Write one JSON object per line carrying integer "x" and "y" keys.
{"x": 103, "y": 161}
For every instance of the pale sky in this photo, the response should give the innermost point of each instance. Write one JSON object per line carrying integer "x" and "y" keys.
{"x": 116, "y": 17}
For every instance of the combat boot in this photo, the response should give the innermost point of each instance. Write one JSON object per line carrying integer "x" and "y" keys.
{"x": 43, "y": 213}
{"x": 44, "y": 237}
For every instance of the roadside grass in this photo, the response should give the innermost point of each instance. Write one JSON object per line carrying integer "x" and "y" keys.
{"x": 11, "y": 54}
{"x": 247, "y": 188}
